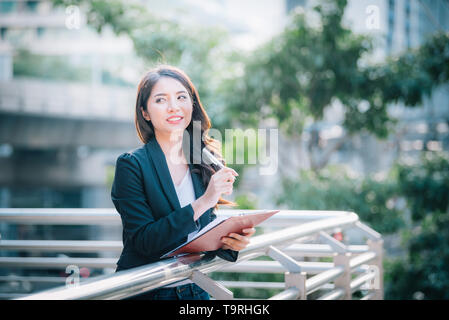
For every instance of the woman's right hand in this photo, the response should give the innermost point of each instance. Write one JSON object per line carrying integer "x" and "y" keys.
{"x": 221, "y": 182}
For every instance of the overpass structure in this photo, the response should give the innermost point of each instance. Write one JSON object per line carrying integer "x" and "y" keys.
{"x": 299, "y": 247}
{"x": 62, "y": 136}
{"x": 47, "y": 115}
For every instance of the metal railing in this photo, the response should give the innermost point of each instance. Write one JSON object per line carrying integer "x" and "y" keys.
{"x": 295, "y": 251}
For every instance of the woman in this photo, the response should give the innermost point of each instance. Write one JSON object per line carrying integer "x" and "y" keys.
{"x": 162, "y": 195}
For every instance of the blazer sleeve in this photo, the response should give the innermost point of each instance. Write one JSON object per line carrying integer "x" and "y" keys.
{"x": 142, "y": 231}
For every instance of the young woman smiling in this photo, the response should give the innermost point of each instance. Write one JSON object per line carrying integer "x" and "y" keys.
{"x": 162, "y": 195}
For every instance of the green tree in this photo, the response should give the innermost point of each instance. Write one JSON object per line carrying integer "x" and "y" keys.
{"x": 334, "y": 189}
{"x": 303, "y": 71}
{"x": 423, "y": 273}
{"x": 426, "y": 186}
{"x": 27, "y": 64}
{"x": 157, "y": 40}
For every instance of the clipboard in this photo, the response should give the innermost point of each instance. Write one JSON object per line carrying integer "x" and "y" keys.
{"x": 209, "y": 238}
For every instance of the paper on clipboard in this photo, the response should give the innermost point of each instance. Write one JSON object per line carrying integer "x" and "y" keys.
{"x": 209, "y": 238}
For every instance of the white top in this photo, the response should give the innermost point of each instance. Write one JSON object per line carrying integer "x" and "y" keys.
{"x": 186, "y": 195}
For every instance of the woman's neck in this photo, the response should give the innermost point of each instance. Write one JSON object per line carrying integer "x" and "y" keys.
{"x": 171, "y": 146}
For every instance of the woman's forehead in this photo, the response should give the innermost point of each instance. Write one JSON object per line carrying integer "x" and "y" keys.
{"x": 168, "y": 85}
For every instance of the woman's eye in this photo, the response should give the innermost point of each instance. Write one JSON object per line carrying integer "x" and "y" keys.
{"x": 182, "y": 97}
{"x": 159, "y": 100}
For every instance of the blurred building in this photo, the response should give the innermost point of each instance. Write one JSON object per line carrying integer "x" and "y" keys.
{"x": 66, "y": 100}
{"x": 66, "y": 97}
{"x": 407, "y": 24}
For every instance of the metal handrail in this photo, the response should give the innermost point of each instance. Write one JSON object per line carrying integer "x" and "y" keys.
{"x": 287, "y": 294}
{"x": 134, "y": 281}
{"x": 361, "y": 259}
{"x": 61, "y": 245}
{"x": 58, "y": 262}
{"x": 333, "y": 295}
{"x": 361, "y": 280}
{"x": 323, "y": 278}
{"x": 87, "y": 216}
{"x": 318, "y": 250}
{"x": 308, "y": 225}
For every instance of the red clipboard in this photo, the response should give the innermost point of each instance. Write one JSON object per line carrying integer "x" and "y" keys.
{"x": 209, "y": 238}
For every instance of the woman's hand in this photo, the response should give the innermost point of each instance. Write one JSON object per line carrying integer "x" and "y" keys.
{"x": 221, "y": 182}
{"x": 236, "y": 241}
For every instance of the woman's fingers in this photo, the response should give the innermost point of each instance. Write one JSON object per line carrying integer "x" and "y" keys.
{"x": 226, "y": 247}
{"x": 227, "y": 171}
{"x": 233, "y": 244}
{"x": 249, "y": 231}
{"x": 222, "y": 182}
{"x": 239, "y": 237}
{"x": 236, "y": 241}
{"x": 230, "y": 170}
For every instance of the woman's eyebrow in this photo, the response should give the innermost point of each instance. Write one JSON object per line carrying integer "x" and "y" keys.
{"x": 164, "y": 94}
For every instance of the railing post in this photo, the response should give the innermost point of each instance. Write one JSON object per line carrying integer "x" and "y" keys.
{"x": 377, "y": 284}
{"x": 295, "y": 277}
{"x": 298, "y": 281}
{"x": 212, "y": 287}
{"x": 375, "y": 244}
{"x": 344, "y": 281}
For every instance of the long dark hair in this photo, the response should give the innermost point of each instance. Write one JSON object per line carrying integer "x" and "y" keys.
{"x": 145, "y": 129}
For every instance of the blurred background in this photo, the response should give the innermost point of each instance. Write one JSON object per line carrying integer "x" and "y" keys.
{"x": 357, "y": 88}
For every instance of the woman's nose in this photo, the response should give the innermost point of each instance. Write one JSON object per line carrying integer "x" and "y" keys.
{"x": 172, "y": 105}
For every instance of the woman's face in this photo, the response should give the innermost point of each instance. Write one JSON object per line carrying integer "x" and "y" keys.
{"x": 169, "y": 107}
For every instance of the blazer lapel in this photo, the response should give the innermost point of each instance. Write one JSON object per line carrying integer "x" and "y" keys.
{"x": 157, "y": 157}
{"x": 199, "y": 191}
{"x": 159, "y": 161}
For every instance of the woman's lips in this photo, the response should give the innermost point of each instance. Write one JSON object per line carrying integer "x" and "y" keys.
{"x": 175, "y": 120}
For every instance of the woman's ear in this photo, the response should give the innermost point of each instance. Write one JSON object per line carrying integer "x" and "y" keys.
{"x": 145, "y": 114}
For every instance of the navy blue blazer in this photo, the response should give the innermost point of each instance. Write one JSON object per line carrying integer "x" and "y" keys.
{"x": 152, "y": 218}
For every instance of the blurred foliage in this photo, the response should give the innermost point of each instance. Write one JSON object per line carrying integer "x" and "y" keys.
{"x": 241, "y": 150}
{"x": 334, "y": 189}
{"x": 291, "y": 79}
{"x": 246, "y": 201}
{"x": 426, "y": 186}
{"x": 27, "y": 64}
{"x": 305, "y": 69}
{"x": 413, "y": 75}
{"x": 32, "y": 65}
{"x": 297, "y": 74}
{"x": 300, "y": 72}
{"x": 193, "y": 48}
{"x": 423, "y": 273}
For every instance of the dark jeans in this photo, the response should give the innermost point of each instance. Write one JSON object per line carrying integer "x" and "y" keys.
{"x": 188, "y": 291}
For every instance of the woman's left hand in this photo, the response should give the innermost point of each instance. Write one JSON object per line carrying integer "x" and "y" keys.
{"x": 236, "y": 241}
